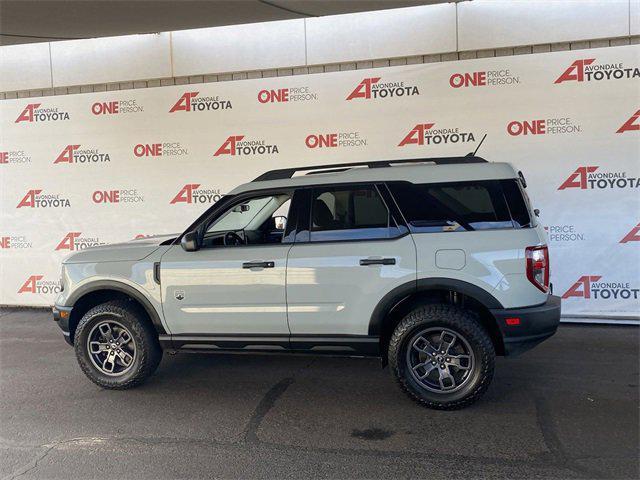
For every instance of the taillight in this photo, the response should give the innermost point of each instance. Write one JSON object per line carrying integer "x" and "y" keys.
{"x": 538, "y": 266}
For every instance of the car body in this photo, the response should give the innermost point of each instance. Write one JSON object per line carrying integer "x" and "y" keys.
{"x": 365, "y": 248}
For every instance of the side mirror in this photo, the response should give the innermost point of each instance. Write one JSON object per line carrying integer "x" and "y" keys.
{"x": 536, "y": 212}
{"x": 189, "y": 242}
{"x": 280, "y": 222}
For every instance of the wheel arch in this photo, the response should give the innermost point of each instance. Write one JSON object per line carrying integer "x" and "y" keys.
{"x": 404, "y": 298}
{"x": 95, "y": 293}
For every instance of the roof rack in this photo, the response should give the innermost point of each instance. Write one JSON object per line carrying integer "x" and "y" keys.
{"x": 340, "y": 167}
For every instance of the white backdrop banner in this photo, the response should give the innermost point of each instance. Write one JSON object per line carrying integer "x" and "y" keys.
{"x": 83, "y": 170}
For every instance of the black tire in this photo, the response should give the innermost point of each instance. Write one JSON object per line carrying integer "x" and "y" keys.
{"x": 148, "y": 352}
{"x": 474, "y": 380}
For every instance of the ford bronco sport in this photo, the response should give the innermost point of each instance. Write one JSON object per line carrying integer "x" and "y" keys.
{"x": 434, "y": 265}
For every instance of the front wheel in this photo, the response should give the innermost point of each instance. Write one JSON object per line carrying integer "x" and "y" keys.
{"x": 115, "y": 347}
{"x": 442, "y": 357}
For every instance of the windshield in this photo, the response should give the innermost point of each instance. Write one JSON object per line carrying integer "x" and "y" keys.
{"x": 239, "y": 217}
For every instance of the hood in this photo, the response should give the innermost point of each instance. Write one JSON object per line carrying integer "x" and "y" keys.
{"x": 130, "y": 251}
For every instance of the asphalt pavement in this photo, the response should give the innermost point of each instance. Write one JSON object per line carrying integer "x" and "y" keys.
{"x": 567, "y": 409}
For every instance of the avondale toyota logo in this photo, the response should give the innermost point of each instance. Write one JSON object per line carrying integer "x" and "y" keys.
{"x": 34, "y": 113}
{"x": 372, "y": 88}
{"x": 590, "y": 287}
{"x": 73, "y": 241}
{"x": 590, "y": 177}
{"x": 632, "y": 236}
{"x": 192, "y": 193}
{"x": 631, "y": 125}
{"x": 586, "y": 70}
{"x": 191, "y": 102}
{"x": 236, "y": 145}
{"x": 424, "y": 134}
{"x": 36, "y": 199}
{"x": 37, "y": 284}
{"x": 74, "y": 154}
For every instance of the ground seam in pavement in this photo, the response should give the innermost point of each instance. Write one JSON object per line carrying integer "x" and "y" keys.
{"x": 553, "y": 443}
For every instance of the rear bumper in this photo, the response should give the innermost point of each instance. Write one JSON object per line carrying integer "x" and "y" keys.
{"x": 536, "y": 324}
{"x": 61, "y": 316}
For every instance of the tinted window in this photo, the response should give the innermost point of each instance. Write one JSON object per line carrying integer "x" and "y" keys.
{"x": 349, "y": 213}
{"x": 450, "y": 207}
{"x": 518, "y": 204}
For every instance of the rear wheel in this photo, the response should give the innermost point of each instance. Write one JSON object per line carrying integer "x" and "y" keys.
{"x": 442, "y": 357}
{"x": 115, "y": 345}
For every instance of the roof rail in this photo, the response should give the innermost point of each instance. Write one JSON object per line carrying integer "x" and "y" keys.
{"x": 339, "y": 167}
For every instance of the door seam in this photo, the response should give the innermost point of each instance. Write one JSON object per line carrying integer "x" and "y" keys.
{"x": 286, "y": 290}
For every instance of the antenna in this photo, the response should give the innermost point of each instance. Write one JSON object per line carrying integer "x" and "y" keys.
{"x": 478, "y": 147}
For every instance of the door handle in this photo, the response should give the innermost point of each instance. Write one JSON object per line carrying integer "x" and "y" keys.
{"x": 377, "y": 261}
{"x": 269, "y": 264}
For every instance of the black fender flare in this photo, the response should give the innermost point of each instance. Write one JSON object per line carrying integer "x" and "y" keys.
{"x": 395, "y": 296}
{"x": 123, "y": 288}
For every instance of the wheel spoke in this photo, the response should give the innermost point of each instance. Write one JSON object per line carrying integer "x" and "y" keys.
{"x": 428, "y": 367}
{"x": 123, "y": 338}
{"x": 447, "y": 339}
{"x": 109, "y": 363}
{"x": 461, "y": 362}
{"x": 125, "y": 357}
{"x": 423, "y": 345}
{"x": 105, "y": 331}
{"x": 98, "y": 347}
{"x": 446, "y": 380}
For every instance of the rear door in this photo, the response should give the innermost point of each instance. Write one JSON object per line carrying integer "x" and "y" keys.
{"x": 351, "y": 249}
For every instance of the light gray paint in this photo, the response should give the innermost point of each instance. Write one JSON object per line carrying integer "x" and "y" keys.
{"x": 318, "y": 288}
{"x": 222, "y": 297}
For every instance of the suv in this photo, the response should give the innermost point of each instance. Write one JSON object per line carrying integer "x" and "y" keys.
{"x": 434, "y": 265}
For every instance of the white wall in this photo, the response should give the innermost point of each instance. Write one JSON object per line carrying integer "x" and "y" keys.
{"x": 75, "y": 174}
{"x": 497, "y": 24}
{"x": 429, "y": 29}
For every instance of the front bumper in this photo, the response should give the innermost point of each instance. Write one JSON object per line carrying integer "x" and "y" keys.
{"x": 535, "y": 325}
{"x": 61, "y": 316}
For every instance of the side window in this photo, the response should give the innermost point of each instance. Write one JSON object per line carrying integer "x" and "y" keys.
{"x": 518, "y": 202}
{"x": 260, "y": 220}
{"x": 451, "y": 207}
{"x": 349, "y": 213}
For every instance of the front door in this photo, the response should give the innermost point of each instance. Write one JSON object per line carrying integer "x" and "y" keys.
{"x": 235, "y": 283}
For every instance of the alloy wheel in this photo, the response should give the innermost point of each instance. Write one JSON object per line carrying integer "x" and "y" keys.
{"x": 440, "y": 360}
{"x": 111, "y": 348}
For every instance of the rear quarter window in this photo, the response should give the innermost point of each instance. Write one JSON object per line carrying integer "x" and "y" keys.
{"x": 461, "y": 206}
{"x": 518, "y": 203}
